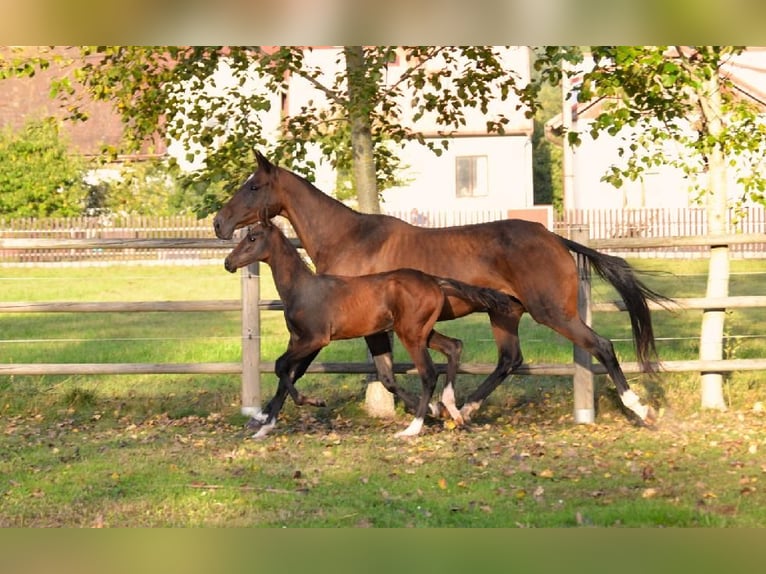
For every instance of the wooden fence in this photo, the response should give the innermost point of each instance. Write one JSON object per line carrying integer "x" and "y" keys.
{"x": 251, "y": 306}
{"x": 603, "y": 224}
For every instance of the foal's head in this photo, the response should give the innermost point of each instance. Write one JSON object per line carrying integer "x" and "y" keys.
{"x": 253, "y": 247}
{"x": 256, "y": 200}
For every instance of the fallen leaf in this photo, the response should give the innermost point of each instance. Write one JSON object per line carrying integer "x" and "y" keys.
{"x": 547, "y": 473}
{"x": 649, "y": 493}
{"x": 443, "y": 483}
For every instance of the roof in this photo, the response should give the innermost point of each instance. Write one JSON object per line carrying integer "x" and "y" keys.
{"x": 27, "y": 98}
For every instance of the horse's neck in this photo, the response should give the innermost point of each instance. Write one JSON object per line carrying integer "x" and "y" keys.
{"x": 287, "y": 267}
{"x": 321, "y": 222}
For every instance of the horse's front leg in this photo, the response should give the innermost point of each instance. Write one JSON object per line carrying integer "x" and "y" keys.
{"x": 288, "y": 368}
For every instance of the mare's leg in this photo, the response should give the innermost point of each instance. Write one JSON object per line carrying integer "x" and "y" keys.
{"x": 380, "y": 349}
{"x": 452, "y": 349}
{"x": 505, "y": 329}
{"x": 602, "y": 349}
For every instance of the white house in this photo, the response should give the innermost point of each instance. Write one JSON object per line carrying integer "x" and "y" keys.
{"x": 478, "y": 171}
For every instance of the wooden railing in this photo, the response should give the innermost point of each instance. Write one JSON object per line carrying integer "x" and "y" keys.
{"x": 251, "y": 306}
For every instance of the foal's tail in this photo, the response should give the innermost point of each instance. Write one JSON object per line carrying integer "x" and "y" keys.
{"x": 483, "y": 298}
{"x": 634, "y": 293}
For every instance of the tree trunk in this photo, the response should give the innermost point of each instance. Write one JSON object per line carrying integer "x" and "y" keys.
{"x": 712, "y": 332}
{"x": 378, "y": 401}
{"x": 360, "y": 92}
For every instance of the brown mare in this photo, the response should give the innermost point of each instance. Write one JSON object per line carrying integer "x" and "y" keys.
{"x": 517, "y": 257}
{"x": 324, "y": 308}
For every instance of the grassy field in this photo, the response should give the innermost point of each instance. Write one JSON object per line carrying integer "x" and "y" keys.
{"x": 173, "y": 450}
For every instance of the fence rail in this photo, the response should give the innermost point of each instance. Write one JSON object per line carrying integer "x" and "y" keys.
{"x": 251, "y": 305}
{"x": 75, "y": 239}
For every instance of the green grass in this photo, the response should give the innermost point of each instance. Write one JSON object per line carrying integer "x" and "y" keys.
{"x": 171, "y": 450}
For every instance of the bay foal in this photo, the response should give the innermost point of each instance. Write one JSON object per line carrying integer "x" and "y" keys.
{"x": 324, "y": 308}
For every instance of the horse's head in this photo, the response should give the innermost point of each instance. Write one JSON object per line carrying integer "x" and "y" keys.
{"x": 253, "y": 247}
{"x": 256, "y": 200}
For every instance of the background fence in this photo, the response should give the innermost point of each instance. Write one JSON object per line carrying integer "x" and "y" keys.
{"x": 128, "y": 242}
{"x": 605, "y": 224}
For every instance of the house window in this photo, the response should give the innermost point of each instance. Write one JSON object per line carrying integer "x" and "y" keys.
{"x": 471, "y": 176}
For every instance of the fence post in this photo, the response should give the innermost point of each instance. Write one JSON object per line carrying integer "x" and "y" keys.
{"x": 251, "y": 340}
{"x": 584, "y": 406}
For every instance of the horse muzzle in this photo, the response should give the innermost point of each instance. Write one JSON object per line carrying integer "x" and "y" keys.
{"x": 229, "y": 265}
{"x": 222, "y": 231}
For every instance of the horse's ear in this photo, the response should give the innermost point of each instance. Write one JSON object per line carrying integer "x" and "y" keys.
{"x": 263, "y": 163}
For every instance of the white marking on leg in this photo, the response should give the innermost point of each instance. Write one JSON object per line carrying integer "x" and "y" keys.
{"x": 260, "y": 417}
{"x": 264, "y": 430}
{"x": 632, "y": 402}
{"x": 413, "y": 430}
{"x": 448, "y": 400}
{"x": 253, "y": 412}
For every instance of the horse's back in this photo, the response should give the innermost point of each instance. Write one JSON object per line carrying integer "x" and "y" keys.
{"x": 503, "y": 254}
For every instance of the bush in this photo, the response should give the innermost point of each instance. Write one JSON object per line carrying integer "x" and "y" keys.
{"x": 38, "y": 175}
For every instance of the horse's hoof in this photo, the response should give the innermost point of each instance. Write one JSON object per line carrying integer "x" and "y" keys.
{"x": 651, "y": 419}
{"x": 311, "y": 402}
{"x": 450, "y": 414}
{"x": 264, "y": 431}
{"x": 253, "y": 424}
{"x": 466, "y": 412}
{"x": 441, "y": 411}
{"x": 413, "y": 430}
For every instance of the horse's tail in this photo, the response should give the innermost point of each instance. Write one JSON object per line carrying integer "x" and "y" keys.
{"x": 482, "y": 297}
{"x": 634, "y": 293}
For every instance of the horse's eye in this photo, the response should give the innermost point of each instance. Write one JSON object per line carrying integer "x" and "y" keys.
{"x": 251, "y": 236}
{"x": 255, "y": 186}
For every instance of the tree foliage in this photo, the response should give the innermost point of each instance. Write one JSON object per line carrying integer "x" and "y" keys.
{"x": 140, "y": 188}
{"x": 663, "y": 94}
{"x": 177, "y": 92}
{"x": 38, "y": 176}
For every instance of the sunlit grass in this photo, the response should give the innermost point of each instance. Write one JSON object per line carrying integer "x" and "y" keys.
{"x": 171, "y": 450}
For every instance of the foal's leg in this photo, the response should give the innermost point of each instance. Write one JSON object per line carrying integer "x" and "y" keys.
{"x": 282, "y": 388}
{"x": 505, "y": 329}
{"x": 380, "y": 349}
{"x": 289, "y": 368}
{"x": 427, "y": 371}
{"x": 452, "y": 349}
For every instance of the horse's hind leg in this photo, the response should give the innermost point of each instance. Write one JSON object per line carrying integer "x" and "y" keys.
{"x": 505, "y": 329}
{"x": 452, "y": 349}
{"x": 603, "y": 350}
{"x": 427, "y": 371}
{"x": 380, "y": 349}
{"x": 300, "y": 370}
